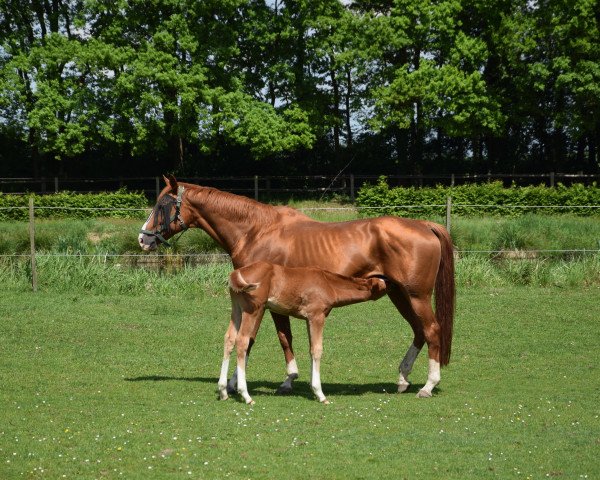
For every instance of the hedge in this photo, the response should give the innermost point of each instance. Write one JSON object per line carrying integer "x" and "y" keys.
{"x": 74, "y": 205}
{"x": 490, "y": 199}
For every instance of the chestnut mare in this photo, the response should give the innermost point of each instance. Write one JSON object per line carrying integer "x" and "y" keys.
{"x": 414, "y": 256}
{"x": 303, "y": 292}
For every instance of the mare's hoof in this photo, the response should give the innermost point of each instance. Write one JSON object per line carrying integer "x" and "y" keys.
{"x": 403, "y": 387}
{"x": 423, "y": 394}
{"x": 284, "y": 389}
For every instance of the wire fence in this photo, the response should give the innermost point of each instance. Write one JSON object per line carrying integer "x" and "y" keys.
{"x": 268, "y": 186}
{"x": 352, "y": 210}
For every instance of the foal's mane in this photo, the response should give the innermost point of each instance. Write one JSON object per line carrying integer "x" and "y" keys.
{"x": 236, "y": 207}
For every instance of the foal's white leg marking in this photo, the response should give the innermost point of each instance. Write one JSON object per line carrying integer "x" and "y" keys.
{"x": 223, "y": 379}
{"x": 406, "y": 367}
{"x": 315, "y": 380}
{"x": 292, "y": 372}
{"x": 432, "y": 379}
{"x": 242, "y": 387}
{"x": 233, "y": 382}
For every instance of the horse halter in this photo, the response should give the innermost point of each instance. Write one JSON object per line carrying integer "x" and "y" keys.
{"x": 162, "y": 211}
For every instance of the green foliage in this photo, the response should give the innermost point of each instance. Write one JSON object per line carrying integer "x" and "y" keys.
{"x": 489, "y": 199}
{"x": 74, "y": 205}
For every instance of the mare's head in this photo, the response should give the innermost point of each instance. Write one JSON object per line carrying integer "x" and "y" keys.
{"x": 165, "y": 220}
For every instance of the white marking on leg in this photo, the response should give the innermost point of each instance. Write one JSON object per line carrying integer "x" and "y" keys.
{"x": 315, "y": 380}
{"x": 233, "y": 382}
{"x": 406, "y": 367}
{"x": 433, "y": 379}
{"x": 242, "y": 386}
{"x": 223, "y": 379}
{"x": 292, "y": 372}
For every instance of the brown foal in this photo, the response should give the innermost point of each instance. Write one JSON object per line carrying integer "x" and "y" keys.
{"x": 309, "y": 293}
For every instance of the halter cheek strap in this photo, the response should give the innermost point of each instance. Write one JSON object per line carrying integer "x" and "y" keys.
{"x": 177, "y": 217}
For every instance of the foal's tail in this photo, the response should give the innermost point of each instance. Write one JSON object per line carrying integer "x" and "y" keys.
{"x": 445, "y": 293}
{"x": 238, "y": 284}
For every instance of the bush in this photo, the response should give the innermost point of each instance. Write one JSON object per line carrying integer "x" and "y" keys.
{"x": 74, "y": 205}
{"x": 490, "y": 199}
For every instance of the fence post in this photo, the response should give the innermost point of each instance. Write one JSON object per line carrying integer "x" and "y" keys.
{"x": 55, "y": 184}
{"x": 352, "y": 187}
{"x": 256, "y": 187}
{"x": 452, "y": 180}
{"x": 32, "y": 245}
{"x": 448, "y": 213}
{"x": 157, "y": 186}
{"x": 552, "y": 179}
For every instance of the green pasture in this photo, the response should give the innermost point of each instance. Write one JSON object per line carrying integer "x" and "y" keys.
{"x": 124, "y": 386}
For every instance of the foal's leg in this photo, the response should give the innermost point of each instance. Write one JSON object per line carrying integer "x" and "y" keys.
{"x": 284, "y": 332}
{"x": 315, "y": 335}
{"x": 249, "y": 325}
{"x": 230, "y": 336}
{"x": 403, "y": 304}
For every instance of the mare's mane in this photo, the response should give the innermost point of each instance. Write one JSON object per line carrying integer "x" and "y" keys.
{"x": 236, "y": 207}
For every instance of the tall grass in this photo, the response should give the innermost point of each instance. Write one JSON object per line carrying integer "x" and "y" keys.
{"x": 119, "y": 236}
{"x": 101, "y": 275}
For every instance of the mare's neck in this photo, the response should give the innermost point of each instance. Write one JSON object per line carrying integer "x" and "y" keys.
{"x": 226, "y": 217}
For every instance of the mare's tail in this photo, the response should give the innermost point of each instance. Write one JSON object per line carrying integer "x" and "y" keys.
{"x": 238, "y": 284}
{"x": 445, "y": 293}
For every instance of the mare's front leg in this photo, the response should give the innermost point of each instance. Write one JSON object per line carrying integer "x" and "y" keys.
{"x": 315, "y": 335}
{"x": 284, "y": 332}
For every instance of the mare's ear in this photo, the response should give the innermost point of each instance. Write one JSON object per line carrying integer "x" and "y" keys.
{"x": 171, "y": 182}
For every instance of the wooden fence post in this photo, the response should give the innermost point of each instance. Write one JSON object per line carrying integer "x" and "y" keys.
{"x": 352, "y": 187}
{"x": 32, "y": 245}
{"x": 256, "y": 187}
{"x": 552, "y": 179}
{"x": 448, "y": 213}
{"x": 55, "y": 184}
{"x": 157, "y": 186}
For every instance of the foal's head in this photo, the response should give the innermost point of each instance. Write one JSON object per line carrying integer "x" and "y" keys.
{"x": 379, "y": 287}
{"x": 165, "y": 220}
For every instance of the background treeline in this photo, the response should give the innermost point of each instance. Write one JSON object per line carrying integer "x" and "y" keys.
{"x": 221, "y": 87}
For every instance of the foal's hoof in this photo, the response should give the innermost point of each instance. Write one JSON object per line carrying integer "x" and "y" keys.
{"x": 423, "y": 394}
{"x": 325, "y": 402}
{"x": 403, "y": 387}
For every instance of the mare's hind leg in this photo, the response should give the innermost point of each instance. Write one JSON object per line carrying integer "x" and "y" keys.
{"x": 432, "y": 332}
{"x": 284, "y": 332}
{"x": 421, "y": 313}
{"x": 403, "y": 304}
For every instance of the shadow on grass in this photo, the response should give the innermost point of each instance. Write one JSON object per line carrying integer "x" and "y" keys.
{"x": 301, "y": 388}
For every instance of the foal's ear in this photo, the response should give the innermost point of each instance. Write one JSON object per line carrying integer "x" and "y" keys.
{"x": 171, "y": 182}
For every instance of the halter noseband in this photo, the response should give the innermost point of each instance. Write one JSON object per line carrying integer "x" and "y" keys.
{"x": 165, "y": 227}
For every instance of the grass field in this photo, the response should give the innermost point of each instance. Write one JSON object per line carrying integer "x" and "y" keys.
{"x": 124, "y": 386}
